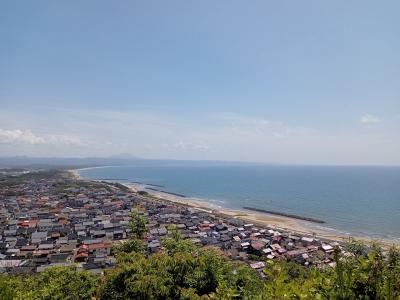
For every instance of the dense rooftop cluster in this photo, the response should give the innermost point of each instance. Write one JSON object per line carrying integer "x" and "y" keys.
{"x": 236, "y": 239}
{"x": 57, "y": 220}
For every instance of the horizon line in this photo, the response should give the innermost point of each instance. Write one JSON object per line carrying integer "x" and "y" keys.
{"x": 195, "y": 160}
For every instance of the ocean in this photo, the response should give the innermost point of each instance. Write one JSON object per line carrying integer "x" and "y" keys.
{"x": 360, "y": 201}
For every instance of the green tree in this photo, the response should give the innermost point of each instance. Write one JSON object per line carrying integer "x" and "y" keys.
{"x": 9, "y": 286}
{"x": 289, "y": 280}
{"x": 138, "y": 223}
{"x": 355, "y": 247}
{"x": 59, "y": 283}
{"x": 392, "y": 275}
{"x": 344, "y": 277}
{"x": 182, "y": 275}
{"x": 127, "y": 246}
{"x": 174, "y": 243}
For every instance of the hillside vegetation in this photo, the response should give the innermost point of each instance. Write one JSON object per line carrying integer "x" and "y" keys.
{"x": 184, "y": 271}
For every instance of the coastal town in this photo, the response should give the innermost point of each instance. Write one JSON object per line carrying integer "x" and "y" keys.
{"x": 51, "y": 218}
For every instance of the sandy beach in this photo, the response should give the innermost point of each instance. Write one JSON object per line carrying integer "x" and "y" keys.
{"x": 281, "y": 223}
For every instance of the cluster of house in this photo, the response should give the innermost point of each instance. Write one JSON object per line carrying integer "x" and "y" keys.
{"x": 236, "y": 239}
{"x": 43, "y": 225}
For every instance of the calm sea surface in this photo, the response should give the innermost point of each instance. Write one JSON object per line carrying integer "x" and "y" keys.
{"x": 356, "y": 200}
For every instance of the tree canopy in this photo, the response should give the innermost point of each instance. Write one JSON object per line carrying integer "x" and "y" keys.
{"x": 54, "y": 283}
{"x": 184, "y": 271}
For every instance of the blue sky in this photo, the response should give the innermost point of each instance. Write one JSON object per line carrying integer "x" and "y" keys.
{"x": 274, "y": 81}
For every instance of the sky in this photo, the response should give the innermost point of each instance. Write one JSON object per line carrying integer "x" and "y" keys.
{"x": 294, "y": 82}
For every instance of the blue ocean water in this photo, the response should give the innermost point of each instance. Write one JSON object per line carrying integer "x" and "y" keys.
{"x": 355, "y": 200}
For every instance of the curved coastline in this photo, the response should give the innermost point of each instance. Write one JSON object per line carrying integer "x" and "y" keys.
{"x": 263, "y": 219}
{"x": 277, "y": 221}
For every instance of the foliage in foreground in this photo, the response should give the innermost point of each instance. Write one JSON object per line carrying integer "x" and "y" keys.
{"x": 54, "y": 283}
{"x": 179, "y": 276}
{"x": 357, "y": 276}
{"x": 183, "y": 271}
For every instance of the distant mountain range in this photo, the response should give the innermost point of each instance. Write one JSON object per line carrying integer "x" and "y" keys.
{"x": 74, "y": 162}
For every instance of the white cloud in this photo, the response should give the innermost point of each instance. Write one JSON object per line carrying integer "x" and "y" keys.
{"x": 370, "y": 119}
{"x": 19, "y": 136}
{"x": 65, "y": 140}
{"x": 188, "y": 146}
{"x": 217, "y": 136}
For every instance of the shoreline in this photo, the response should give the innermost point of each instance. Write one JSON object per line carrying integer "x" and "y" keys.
{"x": 284, "y": 224}
{"x": 262, "y": 219}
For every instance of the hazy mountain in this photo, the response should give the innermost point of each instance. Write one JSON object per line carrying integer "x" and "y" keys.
{"x": 120, "y": 159}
